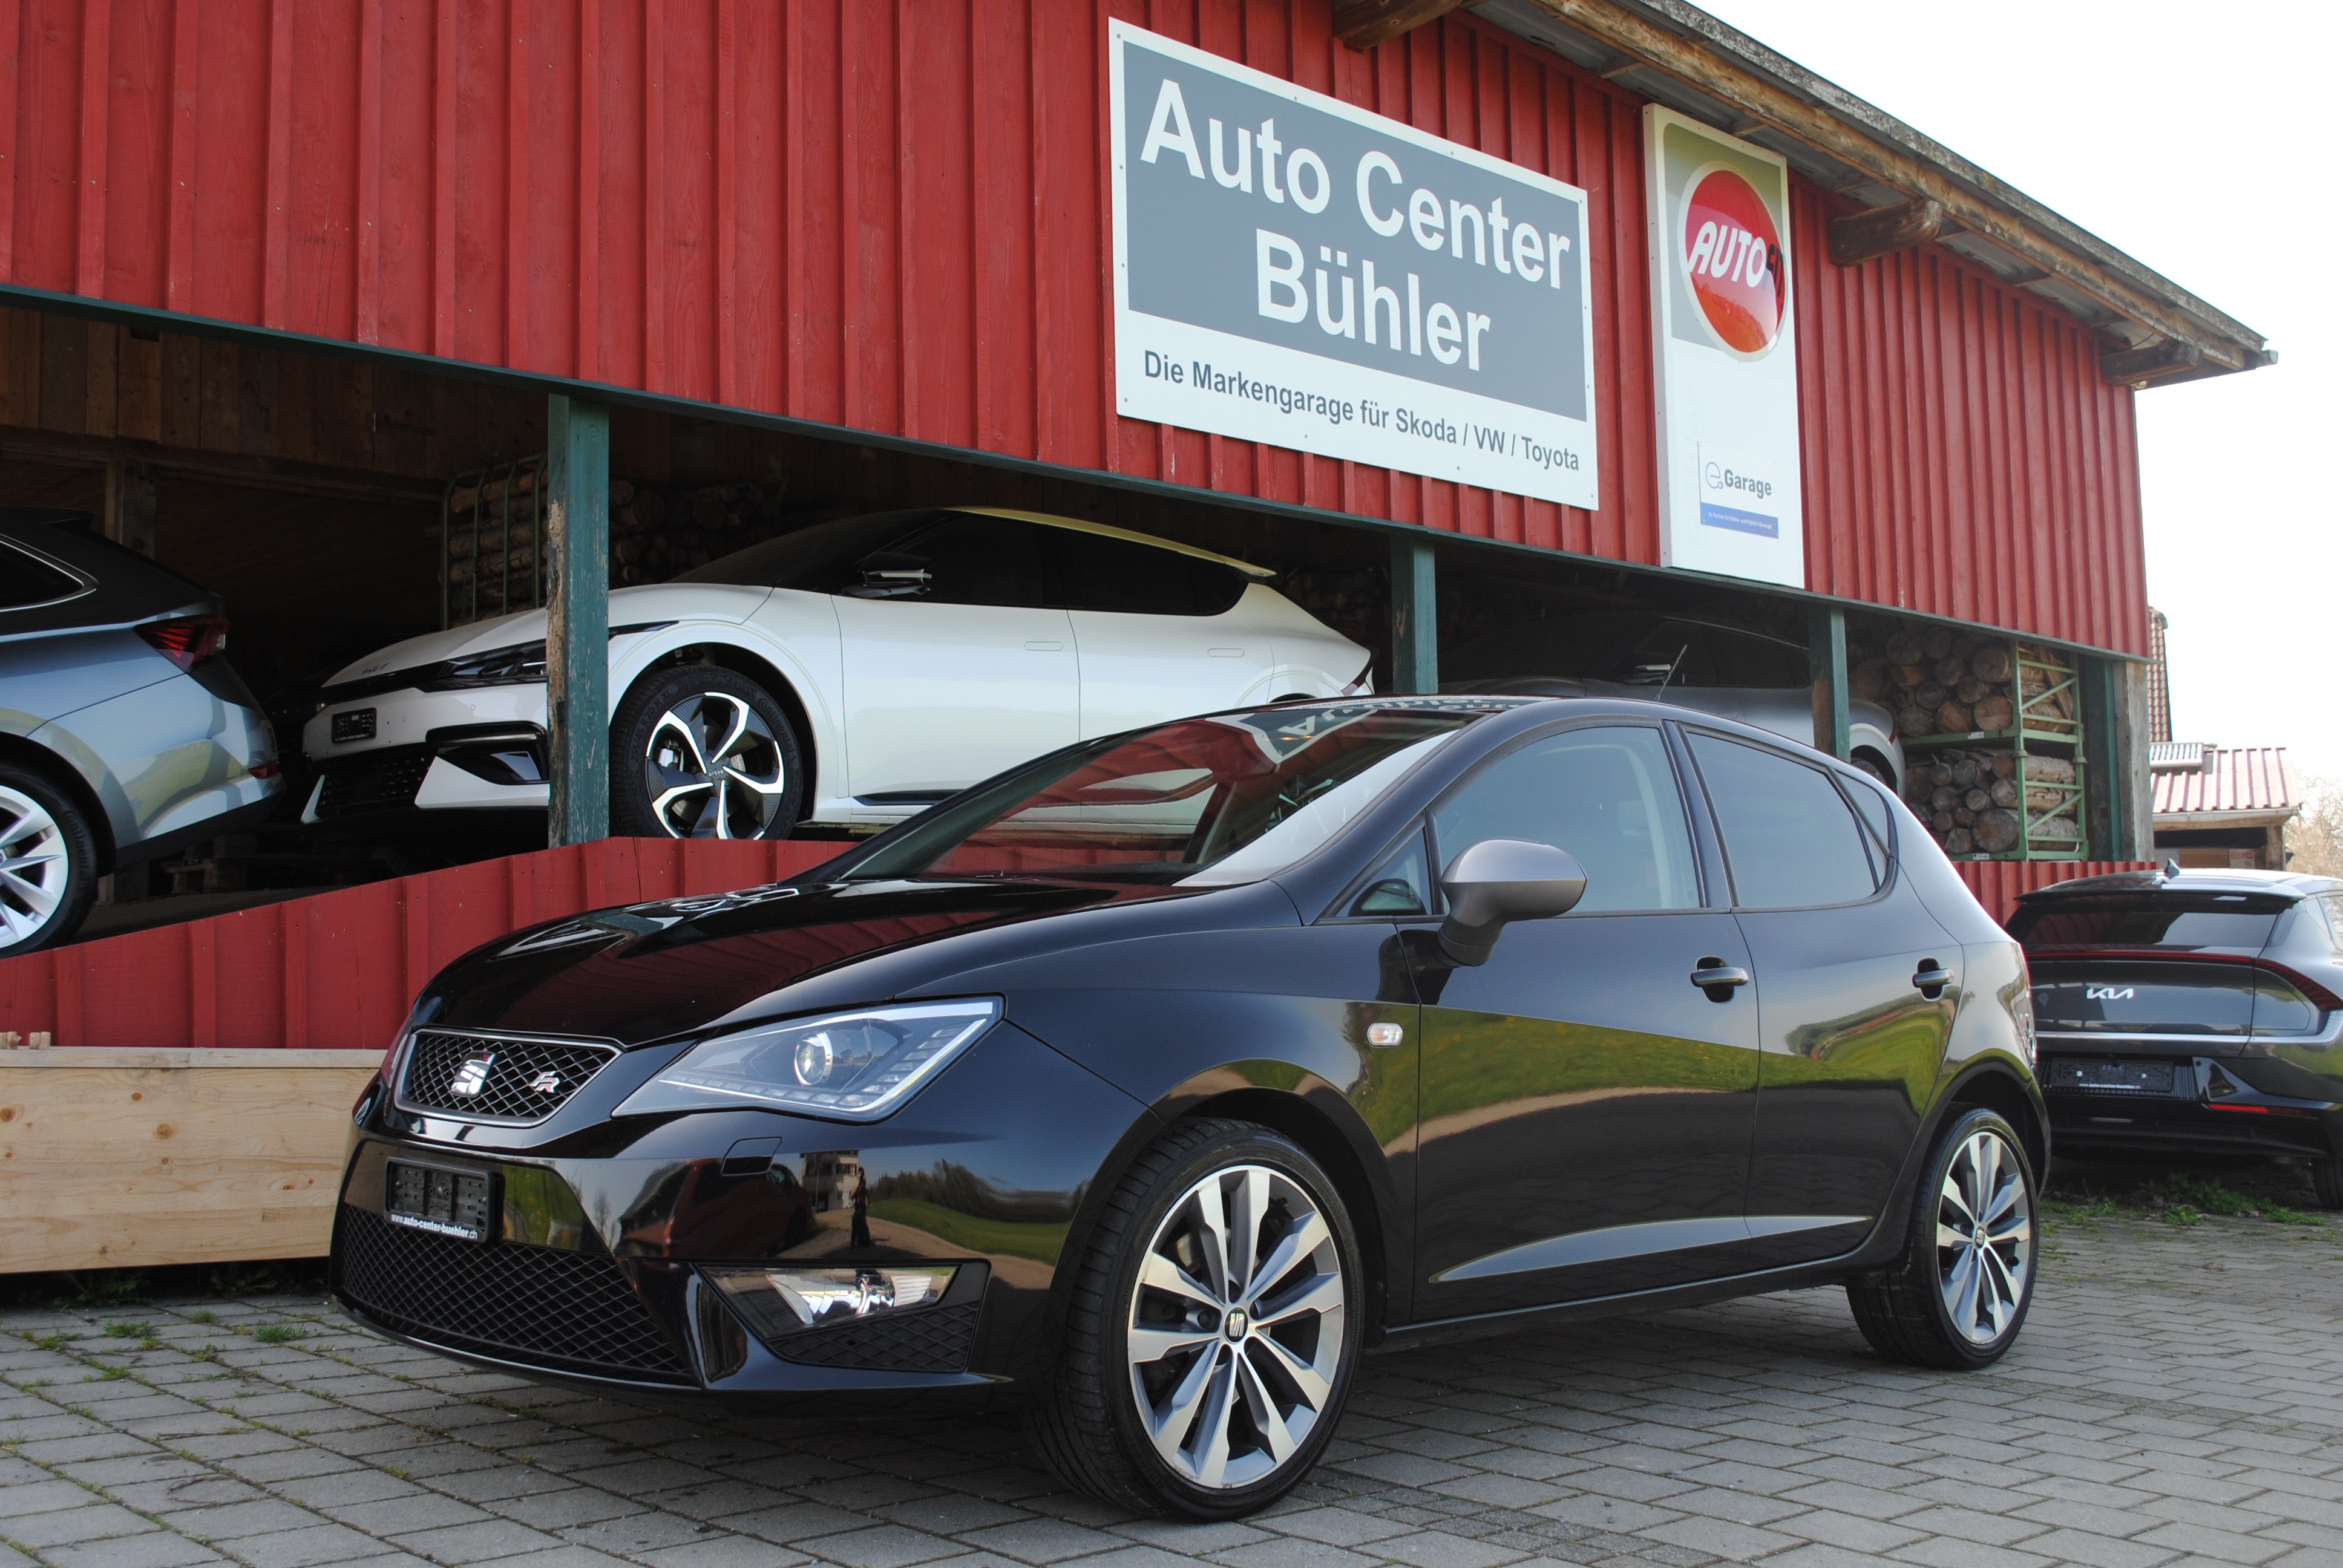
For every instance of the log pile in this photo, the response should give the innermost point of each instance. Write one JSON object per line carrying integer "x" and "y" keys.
{"x": 1938, "y": 681}
{"x": 656, "y": 531}
{"x": 1972, "y": 800}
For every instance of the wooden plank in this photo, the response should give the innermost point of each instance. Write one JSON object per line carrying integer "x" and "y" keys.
{"x": 139, "y": 386}
{"x": 114, "y": 1159}
{"x": 1364, "y": 24}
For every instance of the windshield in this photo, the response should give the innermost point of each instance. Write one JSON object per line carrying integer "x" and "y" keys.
{"x": 816, "y": 559}
{"x": 1203, "y": 802}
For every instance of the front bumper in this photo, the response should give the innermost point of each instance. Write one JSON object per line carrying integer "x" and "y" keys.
{"x": 480, "y": 748}
{"x": 602, "y": 1233}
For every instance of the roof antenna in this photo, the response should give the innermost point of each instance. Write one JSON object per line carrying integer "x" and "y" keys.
{"x": 2171, "y": 867}
{"x": 1674, "y": 665}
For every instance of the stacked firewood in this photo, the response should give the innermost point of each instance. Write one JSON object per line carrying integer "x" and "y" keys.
{"x": 656, "y": 531}
{"x": 1940, "y": 682}
{"x": 1972, "y": 799}
{"x": 503, "y": 546}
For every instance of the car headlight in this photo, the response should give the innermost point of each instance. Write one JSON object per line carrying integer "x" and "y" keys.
{"x": 853, "y": 1065}
{"x": 522, "y": 664}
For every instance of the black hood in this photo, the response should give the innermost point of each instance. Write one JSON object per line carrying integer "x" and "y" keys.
{"x": 652, "y": 971}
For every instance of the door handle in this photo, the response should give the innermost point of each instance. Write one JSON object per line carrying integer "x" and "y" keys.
{"x": 1931, "y": 979}
{"x": 1044, "y": 646}
{"x": 1718, "y": 979}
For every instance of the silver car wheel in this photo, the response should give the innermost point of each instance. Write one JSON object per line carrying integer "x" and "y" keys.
{"x": 34, "y": 870}
{"x": 713, "y": 769}
{"x": 1236, "y": 1327}
{"x": 1985, "y": 1238}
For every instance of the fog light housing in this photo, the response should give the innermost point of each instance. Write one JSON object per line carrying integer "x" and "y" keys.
{"x": 779, "y": 1301}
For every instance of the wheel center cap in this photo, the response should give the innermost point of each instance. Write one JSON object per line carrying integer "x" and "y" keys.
{"x": 1236, "y": 1324}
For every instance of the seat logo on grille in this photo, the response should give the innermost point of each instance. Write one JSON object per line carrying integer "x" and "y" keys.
{"x": 473, "y": 1076}
{"x": 546, "y": 1084}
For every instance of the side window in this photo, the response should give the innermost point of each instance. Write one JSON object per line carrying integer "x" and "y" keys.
{"x": 2332, "y": 903}
{"x": 1871, "y": 805}
{"x": 1401, "y": 885}
{"x": 1790, "y": 839}
{"x": 26, "y": 580}
{"x": 980, "y": 560}
{"x": 1094, "y": 572}
{"x": 1606, "y": 795}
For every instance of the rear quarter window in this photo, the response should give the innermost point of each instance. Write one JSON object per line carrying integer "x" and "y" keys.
{"x": 25, "y": 579}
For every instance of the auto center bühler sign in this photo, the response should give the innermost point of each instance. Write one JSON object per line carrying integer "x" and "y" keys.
{"x": 1724, "y": 353}
{"x": 1293, "y": 270}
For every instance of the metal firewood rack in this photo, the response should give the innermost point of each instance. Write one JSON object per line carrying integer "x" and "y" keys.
{"x": 493, "y": 515}
{"x": 2048, "y": 722}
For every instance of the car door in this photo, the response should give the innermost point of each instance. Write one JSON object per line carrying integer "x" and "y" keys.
{"x": 1586, "y": 1106}
{"x": 1857, "y": 989}
{"x": 1152, "y": 628}
{"x": 953, "y": 668}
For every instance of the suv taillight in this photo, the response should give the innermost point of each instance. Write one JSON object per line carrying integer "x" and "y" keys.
{"x": 188, "y": 641}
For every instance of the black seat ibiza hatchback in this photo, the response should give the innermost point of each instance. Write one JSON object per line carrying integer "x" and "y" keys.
{"x": 1150, "y": 1083}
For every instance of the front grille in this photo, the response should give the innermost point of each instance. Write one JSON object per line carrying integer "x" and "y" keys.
{"x": 568, "y": 1311}
{"x": 934, "y": 1341}
{"x": 383, "y": 781}
{"x": 523, "y": 1080}
{"x": 2088, "y": 1076}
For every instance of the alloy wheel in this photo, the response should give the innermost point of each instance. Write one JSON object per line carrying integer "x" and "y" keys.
{"x": 34, "y": 869}
{"x": 1236, "y": 1327}
{"x": 1985, "y": 1238}
{"x": 713, "y": 769}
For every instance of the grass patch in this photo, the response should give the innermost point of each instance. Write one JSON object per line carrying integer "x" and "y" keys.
{"x": 203, "y": 1353}
{"x": 54, "y": 1341}
{"x": 203, "y": 1315}
{"x": 278, "y": 1333}
{"x": 2280, "y": 1215}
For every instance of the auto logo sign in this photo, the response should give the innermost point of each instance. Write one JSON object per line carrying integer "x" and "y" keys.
{"x": 1733, "y": 259}
{"x": 473, "y": 1076}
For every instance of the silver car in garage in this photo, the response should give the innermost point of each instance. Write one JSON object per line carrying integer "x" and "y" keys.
{"x": 124, "y": 733}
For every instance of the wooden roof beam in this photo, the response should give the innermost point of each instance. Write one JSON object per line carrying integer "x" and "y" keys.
{"x": 1616, "y": 26}
{"x": 1863, "y": 236}
{"x": 1364, "y": 24}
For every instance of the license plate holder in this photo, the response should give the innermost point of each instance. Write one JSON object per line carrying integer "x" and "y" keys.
{"x": 445, "y": 1200}
{"x": 2117, "y": 1077}
{"x": 353, "y": 724}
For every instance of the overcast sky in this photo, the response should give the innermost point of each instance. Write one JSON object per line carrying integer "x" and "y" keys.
{"x": 2203, "y": 152}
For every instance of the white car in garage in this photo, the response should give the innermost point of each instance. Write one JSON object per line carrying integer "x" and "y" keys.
{"x": 852, "y": 672}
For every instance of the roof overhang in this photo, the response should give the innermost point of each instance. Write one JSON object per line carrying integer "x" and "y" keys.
{"x": 2182, "y": 820}
{"x": 2150, "y": 329}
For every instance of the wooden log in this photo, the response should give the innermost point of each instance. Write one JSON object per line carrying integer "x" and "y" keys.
{"x": 1994, "y": 713}
{"x": 1990, "y": 662}
{"x": 1968, "y": 689}
{"x": 1929, "y": 695}
{"x": 1945, "y": 798}
{"x": 2056, "y": 829}
{"x": 1949, "y": 670}
{"x": 1960, "y": 841}
{"x": 1979, "y": 799}
{"x": 2004, "y": 792}
{"x": 1954, "y": 718}
{"x": 1908, "y": 675}
{"x": 2049, "y": 770}
{"x": 1937, "y": 642}
{"x": 1902, "y": 647}
{"x": 1996, "y": 831}
{"x": 1870, "y": 680}
{"x": 2004, "y": 764}
{"x": 1914, "y": 720}
{"x": 118, "y": 1158}
{"x": 1942, "y": 822}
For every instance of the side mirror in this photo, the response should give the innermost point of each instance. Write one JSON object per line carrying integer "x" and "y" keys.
{"x": 889, "y": 573}
{"x": 1502, "y": 879}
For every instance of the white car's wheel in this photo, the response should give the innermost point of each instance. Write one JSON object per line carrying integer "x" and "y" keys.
{"x": 702, "y": 752}
{"x": 48, "y": 862}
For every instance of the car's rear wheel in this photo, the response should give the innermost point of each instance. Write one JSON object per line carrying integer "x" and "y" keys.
{"x": 1212, "y": 1328}
{"x": 1960, "y": 1295}
{"x": 2326, "y": 1180}
{"x": 703, "y": 752}
{"x": 48, "y": 862}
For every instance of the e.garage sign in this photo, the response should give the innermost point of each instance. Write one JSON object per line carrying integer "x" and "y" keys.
{"x": 1294, "y": 271}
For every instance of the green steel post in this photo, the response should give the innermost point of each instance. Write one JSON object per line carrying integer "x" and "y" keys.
{"x": 578, "y": 631}
{"x": 1415, "y": 618}
{"x": 1826, "y": 660}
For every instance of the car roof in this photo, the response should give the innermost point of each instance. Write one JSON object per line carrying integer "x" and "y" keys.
{"x": 1077, "y": 525}
{"x": 2282, "y": 884}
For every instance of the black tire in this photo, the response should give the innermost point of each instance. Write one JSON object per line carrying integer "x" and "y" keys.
{"x": 2326, "y": 1180}
{"x": 1904, "y": 1313}
{"x": 50, "y": 855}
{"x": 1087, "y": 1423}
{"x": 662, "y": 786}
{"x": 1871, "y": 762}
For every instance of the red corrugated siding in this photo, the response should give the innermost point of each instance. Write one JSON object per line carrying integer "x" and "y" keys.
{"x": 339, "y": 970}
{"x": 1997, "y": 884}
{"x": 777, "y": 208}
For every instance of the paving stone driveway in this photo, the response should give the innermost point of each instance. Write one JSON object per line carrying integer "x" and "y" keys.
{"x": 2178, "y": 1398}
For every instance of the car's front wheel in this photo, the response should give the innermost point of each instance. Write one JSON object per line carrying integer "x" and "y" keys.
{"x": 699, "y": 752}
{"x": 1212, "y": 1328}
{"x": 2326, "y": 1180}
{"x": 48, "y": 862}
{"x": 1959, "y": 1296}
